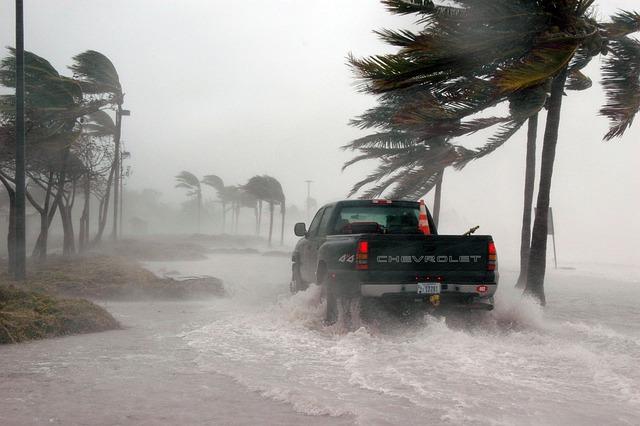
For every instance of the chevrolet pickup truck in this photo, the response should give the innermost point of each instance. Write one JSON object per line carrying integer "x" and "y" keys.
{"x": 379, "y": 249}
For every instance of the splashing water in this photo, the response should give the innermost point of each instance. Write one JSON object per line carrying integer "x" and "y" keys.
{"x": 520, "y": 364}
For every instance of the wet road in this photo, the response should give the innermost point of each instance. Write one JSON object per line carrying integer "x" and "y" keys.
{"x": 264, "y": 357}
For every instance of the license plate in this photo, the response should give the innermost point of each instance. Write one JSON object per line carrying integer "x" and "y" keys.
{"x": 428, "y": 288}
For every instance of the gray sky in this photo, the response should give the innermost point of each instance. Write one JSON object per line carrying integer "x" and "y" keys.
{"x": 238, "y": 88}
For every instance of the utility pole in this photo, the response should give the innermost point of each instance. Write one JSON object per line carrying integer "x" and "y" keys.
{"x": 20, "y": 270}
{"x": 122, "y": 153}
{"x": 116, "y": 177}
{"x": 309, "y": 182}
{"x": 117, "y": 173}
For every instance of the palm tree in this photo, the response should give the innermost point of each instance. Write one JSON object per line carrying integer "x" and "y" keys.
{"x": 190, "y": 182}
{"x": 98, "y": 76}
{"x": 267, "y": 188}
{"x": 217, "y": 183}
{"x": 54, "y": 106}
{"x": 100, "y": 125}
{"x": 475, "y": 55}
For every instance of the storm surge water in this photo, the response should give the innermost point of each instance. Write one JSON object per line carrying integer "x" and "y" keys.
{"x": 573, "y": 362}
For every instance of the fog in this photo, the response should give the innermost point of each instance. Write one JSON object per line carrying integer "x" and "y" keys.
{"x": 210, "y": 331}
{"x": 243, "y": 88}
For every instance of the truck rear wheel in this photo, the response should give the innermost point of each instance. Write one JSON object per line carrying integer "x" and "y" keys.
{"x": 331, "y": 312}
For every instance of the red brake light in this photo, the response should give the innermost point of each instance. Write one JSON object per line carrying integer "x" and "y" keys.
{"x": 362, "y": 255}
{"x": 482, "y": 288}
{"x": 381, "y": 201}
{"x": 493, "y": 257}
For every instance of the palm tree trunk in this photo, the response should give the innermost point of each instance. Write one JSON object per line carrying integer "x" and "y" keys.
{"x": 104, "y": 207}
{"x": 84, "y": 219}
{"x": 199, "y": 208}
{"x": 283, "y": 210}
{"x": 259, "y": 217}
{"x": 68, "y": 243}
{"x": 255, "y": 211}
{"x": 40, "y": 249}
{"x": 529, "y": 183}
{"x": 538, "y": 254}
{"x": 271, "y": 209}
{"x": 437, "y": 199}
{"x": 224, "y": 217}
{"x": 237, "y": 216}
{"x": 11, "y": 234}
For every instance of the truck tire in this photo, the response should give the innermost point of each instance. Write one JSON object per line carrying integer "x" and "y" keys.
{"x": 331, "y": 311}
{"x": 297, "y": 283}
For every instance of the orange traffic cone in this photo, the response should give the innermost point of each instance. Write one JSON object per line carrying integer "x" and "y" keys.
{"x": 423, "y": 222}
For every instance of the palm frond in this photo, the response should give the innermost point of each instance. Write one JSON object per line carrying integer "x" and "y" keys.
{"x": 578, "y": 81}
{"x": 213, "y": 181}
{"x": 406, "y": 7}
{"x": 541, "y": 64}
{"x": 622, "y": 24}
{"x": 621, "y": 84}
{"x": 496, "y": 141}
{"x": 97, "y": 73}
{"x": 187, "y": 178}
{"x": 99, "y": 124}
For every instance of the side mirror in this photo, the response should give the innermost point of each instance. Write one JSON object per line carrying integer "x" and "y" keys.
{"x": 300, "y": 229}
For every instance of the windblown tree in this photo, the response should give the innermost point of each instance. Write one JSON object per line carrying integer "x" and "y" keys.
{"x": 217, "y": 183}
{"x": 101, "y": 131}
{"x": 54, "y": 107}
{"x": 62, "y": 120}
{"x": 268, "y": 189}
{"x": 96, "y": 154}
{"x": 471, "y": 56}
{"x": 259, "y": 188}
{"x": 191, "y": 183}
{"x": 99, "y": 78}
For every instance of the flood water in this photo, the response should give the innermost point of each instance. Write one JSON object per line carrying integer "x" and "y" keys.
{"x": 263, "y": 356}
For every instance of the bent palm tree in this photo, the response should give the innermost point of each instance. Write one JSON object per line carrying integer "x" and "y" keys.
{"x": 217, "y": 183}
{"x": 474, "y": 55}
{"x": 98, "y": 76}
{"x": 189, "y": 181}
{"x": 267, "y": 188}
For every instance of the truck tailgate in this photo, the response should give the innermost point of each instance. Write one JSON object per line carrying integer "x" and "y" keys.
{"x": 422, "y": 254}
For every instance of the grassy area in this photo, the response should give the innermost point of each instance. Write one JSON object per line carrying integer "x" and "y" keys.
{"x": 52, "y": 301}
{"x": 27, "y": 315}
{"x": 111, "y": 278}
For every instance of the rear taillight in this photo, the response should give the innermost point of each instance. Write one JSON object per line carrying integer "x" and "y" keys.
{"x": 362, "y": 255}
{"x": 482, "y": 289}
{"x": 493, "y": 257}
{"x": 380, "y": 201}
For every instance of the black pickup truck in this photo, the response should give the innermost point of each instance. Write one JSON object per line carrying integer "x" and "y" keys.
{"x": 376, "y": 249}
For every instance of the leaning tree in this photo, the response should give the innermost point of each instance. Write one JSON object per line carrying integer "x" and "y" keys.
{"x": 191, "y": 183}
{"x": 471, "y": 56}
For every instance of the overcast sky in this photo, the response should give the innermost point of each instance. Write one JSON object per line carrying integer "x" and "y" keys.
{"x": 237, "y": 88}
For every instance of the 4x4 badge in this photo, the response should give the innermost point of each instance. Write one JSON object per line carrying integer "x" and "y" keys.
{"x": 347, "y": 258}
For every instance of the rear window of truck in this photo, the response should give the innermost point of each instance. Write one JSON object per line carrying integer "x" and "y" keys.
{"x": 383, "y": 219}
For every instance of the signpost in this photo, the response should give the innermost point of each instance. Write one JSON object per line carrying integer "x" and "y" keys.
{"x": 551, "y": 231}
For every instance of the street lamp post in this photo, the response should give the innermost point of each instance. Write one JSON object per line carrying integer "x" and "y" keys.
{"x": 123, "y": 173}
{"x": 309, "y": 182}
{"x": 20, "y": 219}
